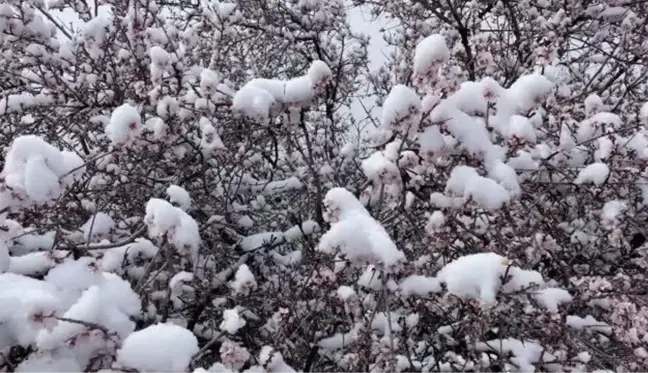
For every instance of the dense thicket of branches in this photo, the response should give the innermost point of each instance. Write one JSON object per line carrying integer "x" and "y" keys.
{"x": 495, "y": 202}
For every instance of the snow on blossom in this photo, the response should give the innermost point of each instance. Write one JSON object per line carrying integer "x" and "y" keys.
{"x": 340, "y": 340}
{"x": 419, "y": 285}
{"x": 464, "y": 181}
{"x": 430, "y": 52}
{"x": 98, "y": 225}
{"x": 273, "y": 361}
{"x": 48, "y": 363}
{"x": 123, "y": 256}
{"x": 179, "y": 196}
{"x": 210, "y": 141}
{"x": 595, "y": 173}
{"x": 432, "y": 141}
{"x": 161, "y": 347}
{"x": 550, "y": 298}
{"x": 528, "y": 91}
{"x": 232, "y": 321}
{"x": 261, "y": 98}
{"x": 109, "y": 304}
{"x": 612, "y": 209}
{"x": 346, "y": 292}
{"x": 165, "y": 220}
{"x": 5, "y": 259}
{"x": 479, "y": 276}
{"x": 588, "y": 323}
{"x": 353, "y": 231}
{"x": 401, "y": 110}
{"x": 525, "y": 353}
{"x": 244, "y": 281}
{"x": 125, "y": 125}
{"x": 593, "y": 104}
{"x": 471, "y": 133}
{"x": 520, "y": 127}
{"x": 39, "y": 170}
{"x": 474, "y": 276}
{"x": 180, "y": 283}
{"x": 381, "y": 169}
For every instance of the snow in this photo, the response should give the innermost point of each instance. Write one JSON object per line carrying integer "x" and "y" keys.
{"x": 346, "y": 293}
{"x": 521, "y": 128}
{"x": 210, "y": 141}
{"x": 244, "y": 281}
{"x": 159, "y": 56}
{"x": 611, "y": 210}
{"x": 98, "y": 225}
{"x": 525, "y": 353}
{"x": 260, "y": 99}
{"x": 179, "y": 196}
{"x": 319, "y": 72}
{"x": 464, "y": 181}
{"x": 528, "y": 91}
{"x": 436, "y": 220}
{"x": 41, "y": 184}
{"x": 550, "y": 298}
{"x": 432, "y": 141}
{"x": 355, "y": 233}
{"x": 380, "y": 169}
{"x": 588, "y": 323}
{"x": 260, "y": 240}
{"x": 401, "y": 110}
{"x": 113, "y": 259}
{"x": 161, "y": 347}
{"x": 593, "y": 104}
{"x": 232, "y": 321}
{"x": 419, "y": 285}
{"x": 209, "y": 80}
{"x": 38, "y": 170}
{"x": 48, "y": 363}
{"x": 32, "y": 263}
{"x": 306, "y": 228}
{"x": 125, "y": 125}
{"x": 340, "y": 340}
{"x": 72, "y": 277}
{"x": 595, "y": 173}
{"x": 474, "y": 276}
{"x": 23, "y": 297}
{"x": 371, "y": 278}
{"x": 273, "y": 360}
{"x": 471, "y": 133}
{"x": 180, "y": 282}
{"x": 506, "y": 176}
{"x": 109, "y": 304}
{"x": 165, "y": 220}
{"x": 643, "y": 113}
{"x": 430, "y": 52}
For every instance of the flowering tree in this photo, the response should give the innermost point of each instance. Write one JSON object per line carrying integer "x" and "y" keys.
{"x": 191, "y": 186}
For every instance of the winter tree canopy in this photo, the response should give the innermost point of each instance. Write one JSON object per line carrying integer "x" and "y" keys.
{"x": 323, "y": 185}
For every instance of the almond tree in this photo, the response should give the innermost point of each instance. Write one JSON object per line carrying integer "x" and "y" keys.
{"x": 188, "y": 186}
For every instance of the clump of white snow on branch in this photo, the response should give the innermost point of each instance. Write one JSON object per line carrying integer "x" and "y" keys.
{"x": 355, "y": 233}
{"x": 595, "y": 173}
{"x": 402, "y": 110}
{"x": 273, "y": 360}
{"x": 482, "y": 276}
{"x": 158, "y": 348}
{"x": 125, "y": 125}
{"x": 36, "y": 172}
{"x": 179, "y": 197}
{"x": 166, "y": 221}
{"x": 429, "y": 54}
{"x": 261, "y": 98}
{"x": 466, "y": 182}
